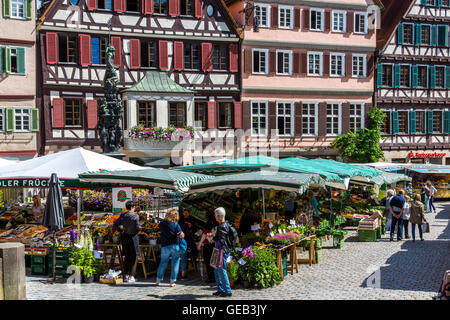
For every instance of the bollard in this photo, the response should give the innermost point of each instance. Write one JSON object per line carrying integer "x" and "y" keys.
{"x": 12, "y": 271}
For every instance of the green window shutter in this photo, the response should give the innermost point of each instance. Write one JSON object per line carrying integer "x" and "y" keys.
{"x": 412, "y": 122}
{"x": 447, "y": 76}
{"x": 379, "y": 75}
{"x": 418, "y": 34}
{"x": 430, "y": 122}
{"x": 432, "y": 74}
{"x": 423, "y": 2}
{"x": 34, "y": 119}
{"x": 6, "y": 8}
{"x": 9, "y": 119}
{"x": 442, "y": 37}
{"x": 8, "y": 59}
{"x": 400, "y": 33}
{"x": 394, "y": 116}
{"x": 438, "y": 3}
{"x": 446, "y": 127}
{"x": 3, "y": 59}
{"x": 415, "y": 76}
{"x": 28, "y": 9}
{"x": 434, "y": 35}
{"x": 396, "y": 76}
{"x": 21, "y": 60}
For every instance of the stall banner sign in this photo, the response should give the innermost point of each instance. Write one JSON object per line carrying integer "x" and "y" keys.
{"x": 426, "y": 155}
{"x": 120, "y": 198}
{"x": 27, "y": 183}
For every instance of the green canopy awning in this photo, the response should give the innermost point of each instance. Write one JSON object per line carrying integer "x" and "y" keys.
{"x": 346, "y": 168}
{"x": 158, "y": 82}
{"x": 389, "y": 178}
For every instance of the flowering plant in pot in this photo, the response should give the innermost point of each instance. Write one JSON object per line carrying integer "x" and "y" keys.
{"x": 171, "y": 133}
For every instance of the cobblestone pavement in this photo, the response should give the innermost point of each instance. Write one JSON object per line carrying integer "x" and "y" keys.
{"x": 360, "y": 270}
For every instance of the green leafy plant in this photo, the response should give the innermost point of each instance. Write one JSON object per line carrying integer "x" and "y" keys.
{"x": 233, "y": 271}
{"x": 83, "y": 257}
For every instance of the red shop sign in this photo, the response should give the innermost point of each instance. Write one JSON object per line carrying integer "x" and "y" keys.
{"x": 426, "y": 155}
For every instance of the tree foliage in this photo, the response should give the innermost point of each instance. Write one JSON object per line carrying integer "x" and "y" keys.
{"x": 364, "y": 145}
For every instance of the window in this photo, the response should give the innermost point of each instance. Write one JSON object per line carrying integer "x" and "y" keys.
{"x": 337, "y": 64}
{"x": 403, "y": 122}
{"x": 132, "y": 5}
{"x": 22, "y": 117}
{"x": 177, "y": 114}
{"x": 161, "y": 6}
{"x": 262, "y": 15}
{"x": 149, "y": 54}
{"x": 360, "y": 22}
{"x": 315, "y": 63}
{"x": 17, "y": 8}
{"x": 425, "y": 34}
{"x": 259, "y": 118}
{"x": 220, "y": 57}
{"x": 191, "y": 56}
{"x": 226, "y": 115}
{"x": 430, "y": 2}
{"x": 386, "y": 125}
{"x": 187, "y": 7}
{"x": 67, "y": 48}
{"x": 2, "y": 119}
{"x": 285, "y": 17}
{"x": 339, "y": 21}
{"x": 420, "y": 122}
{"x": 408, "y": 33}
{"x": 104, "y": 4}
{"x": 284, "y": 62}
{"x": 309, "y": 119}
{"x": 333, "y": 119}
{"x": 14, "y": 60}
{"x": 440, "y": 79}
{"x": 98, "y": 48}
{"x": 146, "y": 113}
{"x": 445, "y": 3}
{"x": 72, "y": 112}
{"x": 437, "y": 121}
{"x": 359, "y": 65}
{"x": 356, "y": 116}
{"x": 285, "y": 118}
{"x": 405, "y": 72}
{"x": 260, "y": 61}
{"x": 387, "y": 75}
{"x": 422, "y": 74}
{"x": 201, "y": 115}
{"x": 316, "y": 19}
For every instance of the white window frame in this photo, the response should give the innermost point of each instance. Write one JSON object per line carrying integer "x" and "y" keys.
{"x": 315, "y": 116}
{"x": 435, "y": 66}
{"x": 17, "y": 3}
{"x": 359, "y": 55}
{"x": 320, "y": 63}
{"x": 2, "y": 119}
{"x": 286, "y": 116}
{"x": 291, "y": 13}
{"x": 352, "y": 117}
{"x": 413, "y": 28}
{"x": 289, "y": 52}
{"x": 268, "y": 13}
{"x": 322, "y": 22}
{"x": 410, "y": 75}
{"x": 259, "y": 115}
{"x": 429, "y": 35}
{"x": 345, "y": 20}
{"x": 365, "y": 22}
{"x": 339, "y": 116}
{"x": 29, "y": 114}
{"x": 266, "y": 52}
{"x": 337, "y": 54}
{"x": 392, "y": 78}
{"x": 428, "y": 77}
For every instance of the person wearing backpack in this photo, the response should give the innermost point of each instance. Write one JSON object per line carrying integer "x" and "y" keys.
{"x": 225, "y": 238}
{"x": 397, "y": 207}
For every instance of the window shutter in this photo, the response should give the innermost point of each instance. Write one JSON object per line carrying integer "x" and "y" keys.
{"x": 51, "y": 39}
{"x": 348, "y": 63}
{"x": 345, "y": 118}
{"x": 85, "y": 49}
{"x": 423, "y": 2}
{"x": 415, "y": 76}
{"x": 296, "y": 18}
{"x": 274, "y": 16}
{"x": 272, "y": 62}
{"x": 119, "y": 5}
{"x": 432, "y": 73}
{"x": 135, "y": 53}
{"x": 296, "y": 66}
{"x": 147, "y": 7}
{"x": 1, "y": 60}
{"x": 400, "y": 33}
{"x": 234, "y": 57}
{"x": 412, "y": 122}
{"x": 396, "y": 76}
{"x": 174, "y": 6}
{"x": 304, "y": 63}
{"x": 9, "y": 119}
{"x": 8, "y": 59}
{"x": 92, "y": 118}
{"x": 28, "y": 9}
{"x": 207, "y": 56}
{"x": 21, "y": 60}
{"x": 178, "y": 55}
{"x": 429, "y": 122}
{"x": 327, "y": 21}
{"x": 246, "y": 116}
{"x": 447, "y": 76}
{"x": 34, "y": 119}
{"x": 163, "y": 55}
{"x": 443, "y": 36}
{"x": 117, "y": 44}
{"x": 212, "y": 124}
{"x": 272, "y": 118}
{"x": 394, "y": 116}
{"x": 438, "y": 3}
{"x": 198, "y": 9}
{"x": 418, "y": 34}
{"x": 434, "y": 35}
{"x": 248, "y": 61}
{"x": 446, "y": 117}
{"x": 322, "y": 121}
{"x": 306, "y": 19}
{"x": 92, "y": 4}
{"x": 6, "y": 8}
{"x": 326, "y": 64}
{"x": 58, "y": 113}
{"x": 379, "y": 75}
{"x": 350, "y": 26}
{"x": 298, "y": 112}
{"x": 238, "y": 115}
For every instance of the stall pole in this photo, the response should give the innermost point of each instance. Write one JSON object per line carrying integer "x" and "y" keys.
{"x": 331, "y": 209}
{"x": 406, "y": 172}
{"x": 264, "y": 203}
{"x": 79, "y": 200}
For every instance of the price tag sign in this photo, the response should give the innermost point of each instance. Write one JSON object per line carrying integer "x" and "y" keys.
{"x": 255, "y": 227}
{"x": 257, "y": 233}
{"x": 241, "y": 262}
{"x": 229, "y": 259}
{"x": 271, "y": 234}
{"x": 270, "y": 225}
{"x": 292, "y": 222}
{"x": 284, "y": 230}
{"x": 238, "y": 249}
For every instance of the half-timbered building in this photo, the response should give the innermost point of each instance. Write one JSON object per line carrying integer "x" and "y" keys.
{"x": 413, "y": 81}
{"x": 177, "y": 62}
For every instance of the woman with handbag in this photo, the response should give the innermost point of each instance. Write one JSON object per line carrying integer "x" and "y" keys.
{"x": 417, "y": 216}
{"x": 171, "y": 234}
{"x": 208, "y": 243}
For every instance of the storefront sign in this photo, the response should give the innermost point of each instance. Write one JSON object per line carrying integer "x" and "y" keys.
{"x": 120, "y": 196}
{"x": 426, "y": 155}
{"x": 27, "y": 183}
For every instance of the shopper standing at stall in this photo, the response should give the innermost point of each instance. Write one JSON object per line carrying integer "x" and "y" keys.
{"x": 170, "y": 232}
{"x": 397, "y": 208}
{"x": 188, "y": 226}
{"x": 432, "y": 193}
{"x": 406, "y": 215}
{"x": 290, "y": 207}
{"x": 208, "y": 243}
{"x": 417, "y": 217}
{"x": 37, "y": 209}
{"x": 128, "y": 225}
{"x": 313, "y": 201}
{"x": 427, "y": 189}
{"x": 387, "y": 212}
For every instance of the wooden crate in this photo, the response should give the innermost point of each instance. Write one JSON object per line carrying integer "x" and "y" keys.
{"x": 115, "y": 281}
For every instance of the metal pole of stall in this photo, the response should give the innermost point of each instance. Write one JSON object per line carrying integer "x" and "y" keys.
{"x": 331, "y": 209}
{"x": 263, "y": 203}
{"x": 79, "y": 200}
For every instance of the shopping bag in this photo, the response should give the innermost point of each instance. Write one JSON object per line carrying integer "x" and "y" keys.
{"x": 214, "y": 258}
{"x": 426, "y": 227}
{"x": 388, "y": 224}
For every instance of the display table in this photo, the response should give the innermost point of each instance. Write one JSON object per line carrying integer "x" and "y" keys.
{"x": 147, "y": 253}
{"x": 292, "y": 249}
{"x": 312, "y": 251}
{"x": 116, "y": 251}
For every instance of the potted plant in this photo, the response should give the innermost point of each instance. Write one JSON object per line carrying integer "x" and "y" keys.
{"x": 233, "y": 273}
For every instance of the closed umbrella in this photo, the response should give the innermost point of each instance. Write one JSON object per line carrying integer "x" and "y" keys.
{"x": 54, "y": 213}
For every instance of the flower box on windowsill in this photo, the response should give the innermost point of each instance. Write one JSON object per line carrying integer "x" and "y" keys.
{"x": 170, "y": 134}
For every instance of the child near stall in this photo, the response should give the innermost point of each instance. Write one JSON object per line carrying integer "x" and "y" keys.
{"x": 406, "y": 215}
